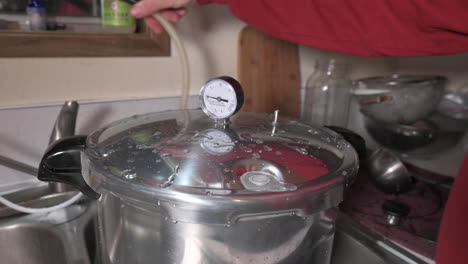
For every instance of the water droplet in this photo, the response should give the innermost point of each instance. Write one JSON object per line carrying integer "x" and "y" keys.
{"x": 255, "y": 156}
{"x": 258, "y": 141}
{"x": 227, "y": 170}
{"x": 166, "y": 218}
{"x": 267, "y": 148}
{"x": 174, "y": 221}
{"x": 159, "y": 202}
{"x": 158, "y": 161}
{"x": 173, "y": 205}
{"x": 128, "y": 174}
{"x": 186, "y": 150}
{"x": 278, "y": 153}
{"x": 303, "y": 151}
{"x": 260, "y": 151}
{"x": 344, "y": 173}
{"x": 344, "y": 144}
{"x": 145, "y": 146}
{"x": 227, "y": 225}
{"x": 165, "y": 155}
{"x": 208, "y": 193}
{"x": 245, "y": 149}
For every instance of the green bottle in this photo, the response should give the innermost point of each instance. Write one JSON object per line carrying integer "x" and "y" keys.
{"x": 116, "y": 18}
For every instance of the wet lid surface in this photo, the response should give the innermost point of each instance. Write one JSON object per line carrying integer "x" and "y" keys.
{"x": 186, "y": 149}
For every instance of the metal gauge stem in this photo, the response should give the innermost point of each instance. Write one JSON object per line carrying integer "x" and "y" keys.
{"x": 221, "y": 97}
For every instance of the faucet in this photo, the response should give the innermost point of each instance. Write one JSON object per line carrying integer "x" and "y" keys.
{"x": 64, "y": 127}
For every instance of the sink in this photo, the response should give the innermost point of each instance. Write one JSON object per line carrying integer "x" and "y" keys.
{"x": 31, "y": 244}
{"x": 354, "y": 243}
{"x": 65, "y": 236}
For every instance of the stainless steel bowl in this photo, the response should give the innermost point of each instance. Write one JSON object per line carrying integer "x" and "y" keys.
{"x": 401, "y": 137}
{"x": 400, "y": 99}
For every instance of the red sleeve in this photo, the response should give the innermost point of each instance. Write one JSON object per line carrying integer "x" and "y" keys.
{"x": 362, "y": 27}
{"x": 452, "y": 246}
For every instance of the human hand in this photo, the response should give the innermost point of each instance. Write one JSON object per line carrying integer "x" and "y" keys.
{"x": 172, "y": 10}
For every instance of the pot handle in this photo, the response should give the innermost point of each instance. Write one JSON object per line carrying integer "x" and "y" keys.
{"x": 62, "y": 163}
{"x": 358, "y": 142}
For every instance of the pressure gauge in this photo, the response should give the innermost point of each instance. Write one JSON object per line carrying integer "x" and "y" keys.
{"x": 222, "y": 97}
{"x": 217, "y": 142}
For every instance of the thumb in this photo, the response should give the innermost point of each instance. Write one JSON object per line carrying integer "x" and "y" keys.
{"x": 148, "y": 7}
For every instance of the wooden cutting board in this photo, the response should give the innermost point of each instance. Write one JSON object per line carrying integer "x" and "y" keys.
{"x": 268, "y": 69}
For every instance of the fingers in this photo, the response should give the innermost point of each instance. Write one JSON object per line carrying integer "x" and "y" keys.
{"x": 153, "y": 24}
{"x": 145, "y": 8}
{"x": 173, "y": 15}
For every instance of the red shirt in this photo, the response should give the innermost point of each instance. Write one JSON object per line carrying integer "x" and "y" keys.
{"x": 362, "y": 27}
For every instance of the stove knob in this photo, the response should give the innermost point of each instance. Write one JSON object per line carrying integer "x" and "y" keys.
{"x": 394, "y": 211}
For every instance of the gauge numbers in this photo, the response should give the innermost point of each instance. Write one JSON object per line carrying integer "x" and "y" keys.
{"x": 220, "y": 98}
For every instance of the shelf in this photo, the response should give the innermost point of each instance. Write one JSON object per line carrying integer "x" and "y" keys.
{"x": 67, "y": 44}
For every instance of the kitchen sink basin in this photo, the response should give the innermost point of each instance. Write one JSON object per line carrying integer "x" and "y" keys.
{"x": 354, "y": 243}
{"x": 31, "y": 244}
{"x": 64, "y": 236}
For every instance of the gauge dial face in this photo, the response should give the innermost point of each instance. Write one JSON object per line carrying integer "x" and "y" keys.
{"x": 219, "y": 99}
{"x": 217, "y": 142}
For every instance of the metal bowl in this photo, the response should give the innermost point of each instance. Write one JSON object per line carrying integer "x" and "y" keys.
{"x": 401, "y": 137}
{"x": 402, "y": 99}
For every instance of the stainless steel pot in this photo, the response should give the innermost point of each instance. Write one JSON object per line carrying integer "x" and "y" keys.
{"x": 177, "y": 187}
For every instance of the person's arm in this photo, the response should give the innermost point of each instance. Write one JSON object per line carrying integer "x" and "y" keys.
{"x": 361, "y": 27}
{"x": 452, "y": 244}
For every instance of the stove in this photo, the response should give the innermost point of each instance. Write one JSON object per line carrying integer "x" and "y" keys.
{"x": 417, "y": 231}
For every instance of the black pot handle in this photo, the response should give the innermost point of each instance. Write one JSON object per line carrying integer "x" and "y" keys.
{"x": 62, "y": 163}
{"x": 358, "y": 143}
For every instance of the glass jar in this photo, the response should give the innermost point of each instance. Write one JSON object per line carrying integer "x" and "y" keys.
{"x": 116, "y": 18}
{"x": 327, "y": 95}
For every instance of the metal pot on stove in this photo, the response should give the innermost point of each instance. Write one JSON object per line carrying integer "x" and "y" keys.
{"x": 179, "y": 187}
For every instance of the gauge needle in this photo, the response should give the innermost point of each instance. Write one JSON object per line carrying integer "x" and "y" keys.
{"x": 218, "y": 98}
